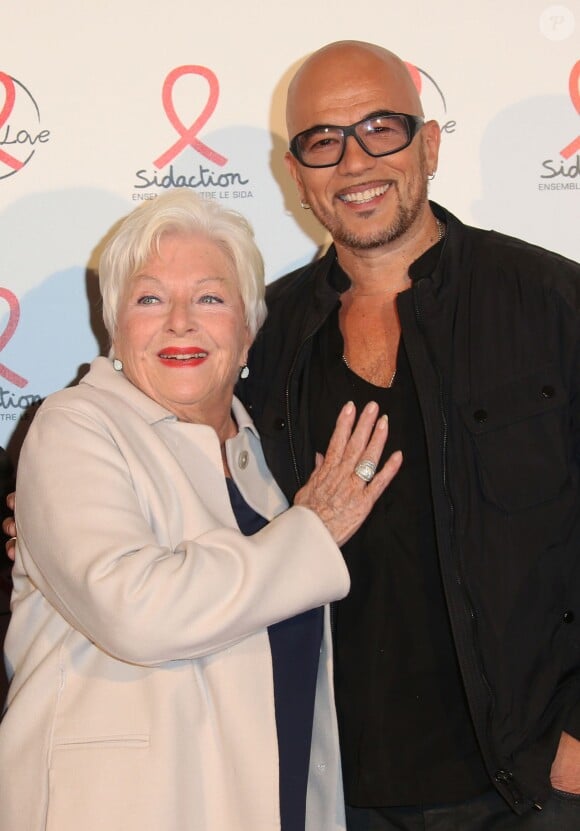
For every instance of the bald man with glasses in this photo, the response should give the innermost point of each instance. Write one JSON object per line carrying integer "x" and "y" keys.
{"x": 457, "y": 651}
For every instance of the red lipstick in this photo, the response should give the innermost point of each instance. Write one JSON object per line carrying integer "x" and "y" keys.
{"x": 182, "y": 356}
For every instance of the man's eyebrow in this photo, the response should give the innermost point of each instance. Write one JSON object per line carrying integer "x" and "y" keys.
{"x": 374, "y": 114}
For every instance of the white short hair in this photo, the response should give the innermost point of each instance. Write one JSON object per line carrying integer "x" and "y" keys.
{"x": 183, "y": 212}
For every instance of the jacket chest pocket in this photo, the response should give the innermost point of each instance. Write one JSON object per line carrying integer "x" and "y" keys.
{"x": 519, "y": 432}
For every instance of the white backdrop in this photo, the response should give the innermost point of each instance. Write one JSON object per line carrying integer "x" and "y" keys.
{"x": 106, "y": 102}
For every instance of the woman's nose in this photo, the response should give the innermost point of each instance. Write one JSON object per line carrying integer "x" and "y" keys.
{"x": 182, "y": 318}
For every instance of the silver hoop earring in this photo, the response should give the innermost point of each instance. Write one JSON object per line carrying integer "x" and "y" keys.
{"x": 244, "y": 371}
{"x": 304, "y": 205}
{"x": 431, "y": 176}
{"x": 117, "y": 364}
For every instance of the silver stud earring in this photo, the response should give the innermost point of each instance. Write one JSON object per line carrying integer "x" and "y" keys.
{"x": 304, "y": 205}
{"x": 117, "y": 364}
{"x": 244, "y": 372}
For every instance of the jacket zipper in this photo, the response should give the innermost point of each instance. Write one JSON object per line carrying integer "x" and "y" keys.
{"x": 299, "y": 478}
{"x": 291, "y": 435}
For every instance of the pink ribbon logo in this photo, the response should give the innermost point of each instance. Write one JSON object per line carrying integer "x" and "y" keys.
{"x": 574, "y": 87}
{"x": 9, "y": 330}
{"x": 415, "y": 75}
{"x": 5, "y": 113}
{"x": 188, "y": 135}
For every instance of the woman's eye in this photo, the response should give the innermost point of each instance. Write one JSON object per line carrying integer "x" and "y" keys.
{"x": 210, "y": 298}
{"x": 147, "y": 299}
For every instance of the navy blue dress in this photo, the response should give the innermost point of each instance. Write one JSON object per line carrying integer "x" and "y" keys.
{"x": 295, "y": 646}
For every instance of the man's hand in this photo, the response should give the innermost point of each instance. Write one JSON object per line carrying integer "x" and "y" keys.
{"x": 9, "y": 528}
{"x": 565, "y": 773}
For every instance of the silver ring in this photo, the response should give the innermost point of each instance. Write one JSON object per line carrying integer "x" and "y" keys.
{"x": 366, "y": 470}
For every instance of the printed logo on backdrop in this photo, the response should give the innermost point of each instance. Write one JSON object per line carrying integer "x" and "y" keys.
{"x": 21, "y": 132}
{"x": 562, "y": 170}
{"x": 46, "y": 340}
{"x": 191, "y": 161}
{"x": 432, "y": 97}
{"x": 14, "y": 405}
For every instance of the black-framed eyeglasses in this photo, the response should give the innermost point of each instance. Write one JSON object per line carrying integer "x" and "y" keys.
{"x": 379, "y": 134}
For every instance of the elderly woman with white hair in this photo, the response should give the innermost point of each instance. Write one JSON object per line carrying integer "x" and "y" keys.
{"x": 169, "y": 644}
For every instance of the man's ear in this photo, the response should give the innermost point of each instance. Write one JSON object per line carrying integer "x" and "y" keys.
{"x": 431, "y": 136}
{"x": 294, "y": 170}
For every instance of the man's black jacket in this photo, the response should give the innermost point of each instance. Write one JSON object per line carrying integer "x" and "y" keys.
{"x": 493, "y": 337}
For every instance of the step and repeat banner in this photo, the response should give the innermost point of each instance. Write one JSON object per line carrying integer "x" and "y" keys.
{"x": 104, "y": 104}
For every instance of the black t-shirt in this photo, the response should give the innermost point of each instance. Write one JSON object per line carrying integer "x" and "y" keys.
{"x": 406, "y": 734}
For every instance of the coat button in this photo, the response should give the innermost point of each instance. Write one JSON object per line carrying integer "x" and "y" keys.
{"x": 280, "y": 424}
{"x": 243, "y": 460}
{"x": 548, "y": 391}
{"x": 480, "y": 416}
{"x": 568, "y": 617}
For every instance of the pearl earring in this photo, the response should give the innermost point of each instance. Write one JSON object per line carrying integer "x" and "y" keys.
{"x": 245, "y": 371}
{"x": 117, "y": 364}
